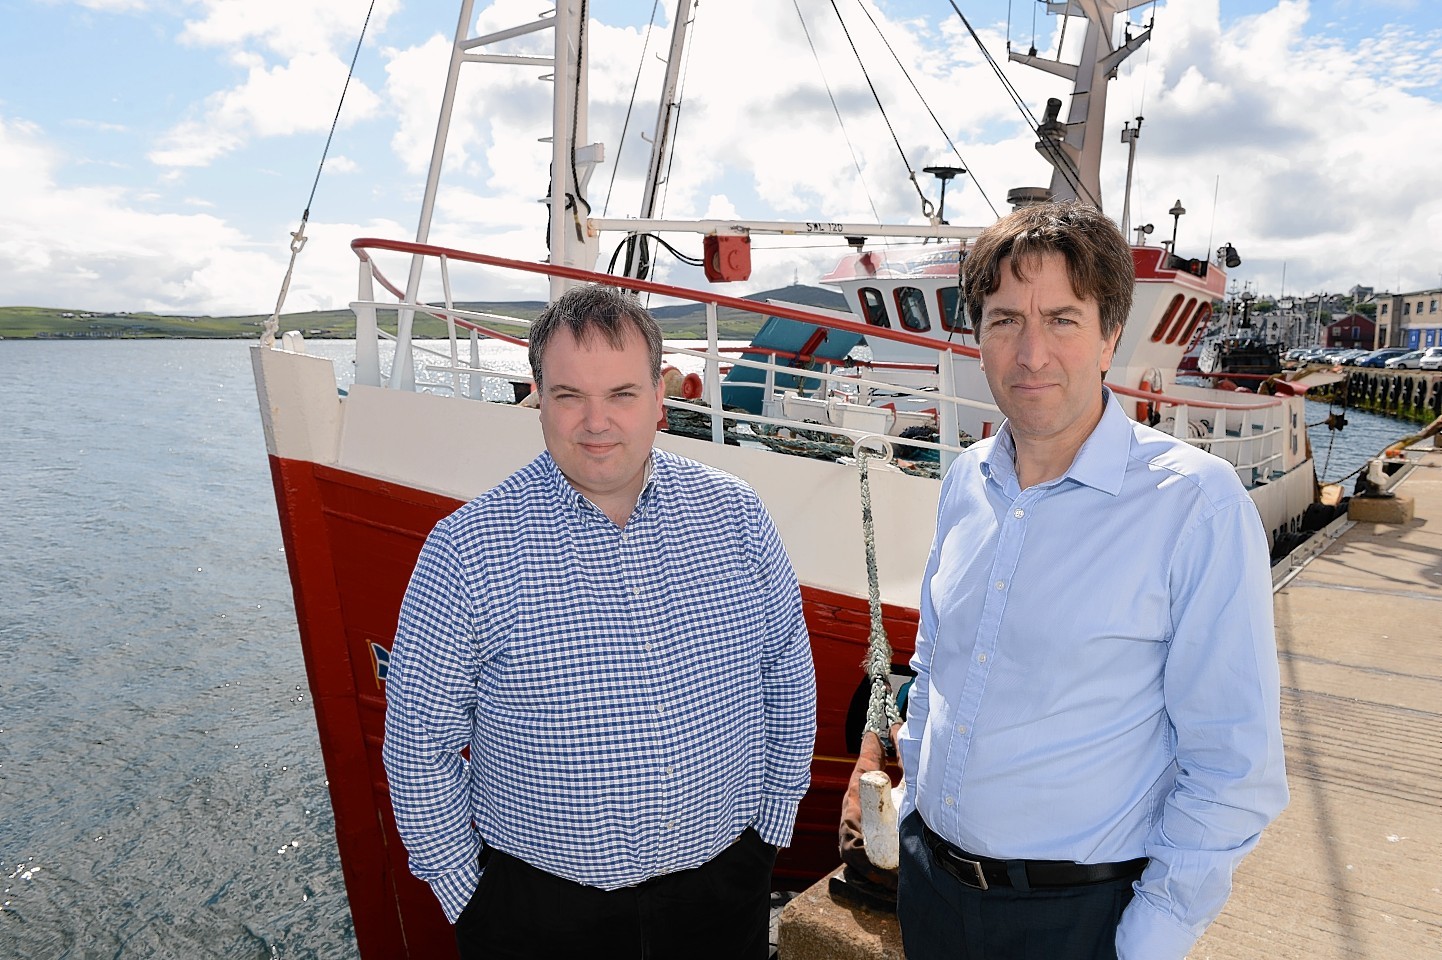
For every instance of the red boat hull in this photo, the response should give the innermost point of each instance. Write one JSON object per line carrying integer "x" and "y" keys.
{"x": 351, "y": 542}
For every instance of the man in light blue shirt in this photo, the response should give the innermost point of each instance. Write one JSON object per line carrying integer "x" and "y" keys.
{"x": 616, "y": 634}
{"x": 1093, "y": 739}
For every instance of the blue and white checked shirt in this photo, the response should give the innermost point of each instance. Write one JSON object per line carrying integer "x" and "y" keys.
{"x": 633, "y": 698}
{"x": 1097, "y": 672}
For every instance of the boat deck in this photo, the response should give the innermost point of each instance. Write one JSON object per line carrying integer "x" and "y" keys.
{"x": 1353, "y": 867}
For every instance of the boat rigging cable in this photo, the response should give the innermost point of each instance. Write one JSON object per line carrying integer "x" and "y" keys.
{"x": 856, "y": 161}
{"x": 630, "y": 106}
{"x": 633, "y": 244}
{"x": 297, "y": 238}
{"x": 907, "y": 74}
{"x": 1064, "y": 164}
{"x": 927, "y": 210}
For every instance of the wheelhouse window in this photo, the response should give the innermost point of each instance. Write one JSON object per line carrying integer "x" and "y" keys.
{"x": 873, "y": 308}
{"x": 911, "y": 305}
{"x": 1166, "y": 320}
{"x": 1199, "y": 319}
{"x": 1181, "y": 320}
{"x": 953, "y": 311}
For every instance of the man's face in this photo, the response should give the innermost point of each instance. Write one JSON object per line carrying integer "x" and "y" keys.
{"x": 599, "y": 411}
{"x": 1043, "y": 353}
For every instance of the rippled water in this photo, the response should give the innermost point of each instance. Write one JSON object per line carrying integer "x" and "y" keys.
{"x": 161, "y": 786}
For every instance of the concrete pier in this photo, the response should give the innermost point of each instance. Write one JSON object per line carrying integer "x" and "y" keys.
{"x": 1353, "y": 867}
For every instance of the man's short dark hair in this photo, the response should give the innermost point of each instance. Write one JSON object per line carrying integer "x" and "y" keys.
{"x": 591, "y": 311}
{"x": 1098, "y": 258}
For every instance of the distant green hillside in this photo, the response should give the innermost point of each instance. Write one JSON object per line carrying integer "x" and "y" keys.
{"x": 41, "y": 323}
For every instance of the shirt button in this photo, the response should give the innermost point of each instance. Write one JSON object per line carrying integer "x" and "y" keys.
{"x": 650, "y": 645}
{"x": 950, "y": 802}
{"x": 660, "y": 708}
{"x": 1001, "y": 584}
{"x": 636, "y": 591}
{"x": 961, "y": 728}
{"x": 1019, "y": 513}
{"x": 981, "y": 658}
{"x": 670, "y": 770}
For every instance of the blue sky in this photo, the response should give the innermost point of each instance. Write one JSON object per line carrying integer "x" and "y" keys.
{"x": 155, "y": 155}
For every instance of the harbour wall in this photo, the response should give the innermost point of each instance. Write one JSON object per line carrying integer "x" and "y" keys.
{"x": 1404, "y": 394}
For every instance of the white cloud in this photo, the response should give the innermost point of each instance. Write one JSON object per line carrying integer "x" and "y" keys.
{"x": 1319, "y": 147}
{"x": 296, "y": 58}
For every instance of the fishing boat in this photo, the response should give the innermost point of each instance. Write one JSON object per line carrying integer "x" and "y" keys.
{"x": 362, "y": 473}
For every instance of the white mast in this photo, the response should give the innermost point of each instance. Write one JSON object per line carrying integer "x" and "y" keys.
{"x": 572, "y": 159}
{"x": 1073, "y": 153}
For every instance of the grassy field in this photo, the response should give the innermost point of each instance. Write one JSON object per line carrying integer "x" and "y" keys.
{"x": 39, "y": 323}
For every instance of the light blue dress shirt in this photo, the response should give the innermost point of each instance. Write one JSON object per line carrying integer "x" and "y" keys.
{"x": 633, "y": 698}
{"x": 1097, "y": 673}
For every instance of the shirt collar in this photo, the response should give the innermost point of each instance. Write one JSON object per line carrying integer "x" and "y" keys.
{"x": 1101, "y": 463}
{"x": 575, "y": 501}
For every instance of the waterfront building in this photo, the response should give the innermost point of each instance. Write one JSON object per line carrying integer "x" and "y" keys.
{"x": 1416, "y": 317}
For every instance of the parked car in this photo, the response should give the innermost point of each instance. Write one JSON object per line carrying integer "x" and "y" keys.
{"x": 1379, "y": 358}
{"x": 1431, "y": 359}
{"x": 1407, "y": 361}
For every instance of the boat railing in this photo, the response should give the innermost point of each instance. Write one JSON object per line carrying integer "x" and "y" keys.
{"x": 1252, "y": 436}
{"x": 822, "y": 381}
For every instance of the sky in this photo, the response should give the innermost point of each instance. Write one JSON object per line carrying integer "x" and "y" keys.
{"x": 155, "y": 155}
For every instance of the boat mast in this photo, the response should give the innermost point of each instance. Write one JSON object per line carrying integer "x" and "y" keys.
{"x": 572, "y": 159}
{"x": 638, "y": 257}
{"x": 1074, "y": 155}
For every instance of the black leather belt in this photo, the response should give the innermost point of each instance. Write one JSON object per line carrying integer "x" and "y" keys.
{"x": 983, "y": 873}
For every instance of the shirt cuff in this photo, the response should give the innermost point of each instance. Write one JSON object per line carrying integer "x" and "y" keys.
{"x": 776, "y": 819}
{"x": 1146, "y": 933}
{"x": 455, "y": 889}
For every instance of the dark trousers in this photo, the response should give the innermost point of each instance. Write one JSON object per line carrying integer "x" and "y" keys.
{"x": 943, "y": 918}
{"x": 718, "y": 911}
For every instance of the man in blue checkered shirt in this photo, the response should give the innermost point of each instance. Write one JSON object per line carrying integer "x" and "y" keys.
{"x": 616, "y": 634}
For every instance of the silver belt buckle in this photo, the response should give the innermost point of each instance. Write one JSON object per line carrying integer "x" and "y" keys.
{"x": 975, "y": 865}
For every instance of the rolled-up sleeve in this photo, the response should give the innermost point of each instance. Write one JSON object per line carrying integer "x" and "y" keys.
{"x": 1222, "y": 696}
{"x": 430, "y": 699}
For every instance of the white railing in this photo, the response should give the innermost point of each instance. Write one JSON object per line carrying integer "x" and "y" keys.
{"x": 1249, "y": 435}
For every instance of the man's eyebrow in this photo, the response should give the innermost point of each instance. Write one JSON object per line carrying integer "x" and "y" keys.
{"x": 1070, "y": 309}
{"x": 567, "y": 388}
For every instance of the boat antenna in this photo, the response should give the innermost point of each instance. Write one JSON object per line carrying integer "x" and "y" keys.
{"x": 297, "y": 237}
{"x": 949, "y": 142}
{"x": 927, "y": 210}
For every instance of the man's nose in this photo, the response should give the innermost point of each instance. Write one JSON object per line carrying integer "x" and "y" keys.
{"x": 593, "y": 415}
{"x": 1033, "y": 350}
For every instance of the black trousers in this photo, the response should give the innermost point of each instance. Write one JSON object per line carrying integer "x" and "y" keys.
{"x": 718, "y": 911}
{"x": 943, "y": 919}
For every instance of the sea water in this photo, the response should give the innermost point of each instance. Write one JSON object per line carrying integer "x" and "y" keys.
{"x": 161, "y": 786}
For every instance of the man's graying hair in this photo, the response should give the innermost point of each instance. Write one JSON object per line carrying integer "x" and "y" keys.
{"x": 1098, "y": 258}
{"x": 595, "y": 310}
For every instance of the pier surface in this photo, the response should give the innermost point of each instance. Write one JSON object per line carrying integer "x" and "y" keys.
{"x": 1353, "y": 867}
